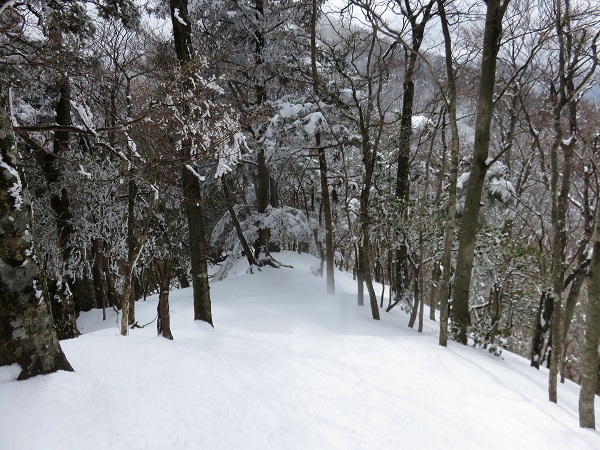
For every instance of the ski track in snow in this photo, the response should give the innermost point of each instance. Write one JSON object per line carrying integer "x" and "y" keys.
{"x": 286, "y": 367}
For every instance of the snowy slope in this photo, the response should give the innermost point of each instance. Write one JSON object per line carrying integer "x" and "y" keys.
{"x": 286, "y": 367}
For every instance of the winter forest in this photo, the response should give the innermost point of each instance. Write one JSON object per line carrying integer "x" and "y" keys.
{"x": 441, "y": 153}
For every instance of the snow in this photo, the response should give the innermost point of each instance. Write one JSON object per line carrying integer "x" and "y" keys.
{"x": 498, "y": 169}
{"x": 37, "y": 293}
{"x": 178, "y": 17}
{"x": 201, "y": 178}
{"x": 85, "y": 114}
{"x": 503, "y": 188}
{"x": 6, "y": 5}
{"x": 286, "y": 367}
{"x": 289, "y": 110}
{"x": 347, "y": 96}
{"x": 419, "y": 123}
{"x": 569, "y": 141}
{"x": 463, "y": 180}
{"x": 230, "y": 155}
{"x": 84, "y": 172}
{"x": 9, "y": 373}
{"x": 314, "y": 122}
{"x": 16, "y": 189}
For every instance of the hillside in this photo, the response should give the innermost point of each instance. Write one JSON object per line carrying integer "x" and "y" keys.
{"x": 286, "y": 367}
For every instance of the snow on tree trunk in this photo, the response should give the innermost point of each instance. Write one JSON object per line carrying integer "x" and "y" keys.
{"x": 27, "y": 334}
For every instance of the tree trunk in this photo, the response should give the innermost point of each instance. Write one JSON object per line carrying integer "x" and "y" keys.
{"x": 262, "y": 171}
{"x": 131, "y": 241}
{"x": 434, "y": 289}
{"x": 60, "y": 200}
{"x": 542, "y": 324}
{"x": 414, "y": 311}
{"x": 99, "y": 282}
{"x": 359, "y": 258}
{"x": 61, "y": 288}
{"x": 163, "y": 323}
{"x": 52, "y": 169}
{"x": 408, "y": 99}
{"x": 182, "y": 37}
{"x": 236, "y": 224}
{"x": 560, "y": 204}
{"x": 63, "y": 309}
{"x": 479, "y": 167}
{"x": 578, "y": 278}
{"x": 129, "y": 287}
{"x": 261, "y": 245}
{"x": 27, "y": 333}
{"x": 113, "y": 296}
{"x": 569, "y": 312}
{"x": 446, "y": 266}
{"x": 419, "y": 293}
{"x": 589, "y": 375}
{"x": 364, "y": 245}
{"x": 329, "y": 255}
{"x": 198, "y": 255}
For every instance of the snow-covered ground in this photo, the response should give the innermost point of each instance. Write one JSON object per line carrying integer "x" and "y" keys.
{"x": 286, "y": 367}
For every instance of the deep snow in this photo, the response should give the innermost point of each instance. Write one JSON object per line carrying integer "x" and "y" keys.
{"x": 286, "y": 367}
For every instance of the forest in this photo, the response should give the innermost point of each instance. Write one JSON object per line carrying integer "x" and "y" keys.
{"x": 443, "y": 152}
